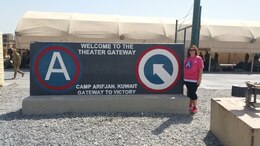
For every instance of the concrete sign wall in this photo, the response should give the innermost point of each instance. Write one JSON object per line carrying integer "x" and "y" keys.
{"x": 106, "y": 69}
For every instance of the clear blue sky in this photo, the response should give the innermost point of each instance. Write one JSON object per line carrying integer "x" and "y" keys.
{"x": 12, "y": 10}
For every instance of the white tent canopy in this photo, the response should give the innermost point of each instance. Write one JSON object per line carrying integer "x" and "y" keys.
{"x": 223, "y": 36}
{"x": 229, "y": 36}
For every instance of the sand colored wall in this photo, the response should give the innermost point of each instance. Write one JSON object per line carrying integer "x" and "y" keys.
{"x": 1, "y": 61}
{"x": 233, "y": 124}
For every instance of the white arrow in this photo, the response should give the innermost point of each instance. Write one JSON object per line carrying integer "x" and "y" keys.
{"x": 162, "y": 73}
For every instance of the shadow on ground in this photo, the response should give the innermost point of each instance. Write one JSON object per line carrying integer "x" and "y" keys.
{"x": 175, "y": 119}
{"x": 211, "y": 140}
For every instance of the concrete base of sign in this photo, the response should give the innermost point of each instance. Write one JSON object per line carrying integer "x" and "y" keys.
{"x": 233, "y": 123}
{"x": 157, "y": 103}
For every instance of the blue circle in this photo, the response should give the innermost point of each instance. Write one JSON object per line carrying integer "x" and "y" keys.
{"x": 157, "y": 59}
{"x": 57, "y": 79}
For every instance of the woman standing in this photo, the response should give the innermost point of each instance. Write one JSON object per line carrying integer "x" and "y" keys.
{"x": 193, "y": 68}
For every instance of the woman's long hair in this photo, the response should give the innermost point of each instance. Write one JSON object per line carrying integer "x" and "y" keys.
{"x": 193, "y": 47}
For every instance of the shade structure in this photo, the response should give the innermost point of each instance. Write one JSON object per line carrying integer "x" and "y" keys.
{"x": 44, "y": 24}
{"x": 93, "y": 26}
{"x": 218, "y": 35}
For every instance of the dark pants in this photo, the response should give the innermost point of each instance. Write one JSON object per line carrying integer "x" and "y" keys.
{"x": 17, "y": 69}
{"x": 191, "y": 90}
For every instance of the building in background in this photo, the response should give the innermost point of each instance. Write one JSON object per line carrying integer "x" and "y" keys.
{"x": 8, "y": 39}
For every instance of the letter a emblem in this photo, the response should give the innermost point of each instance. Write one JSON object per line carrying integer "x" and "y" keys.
{"x": 51, "y": 69}
{"x": 188, "y": 64}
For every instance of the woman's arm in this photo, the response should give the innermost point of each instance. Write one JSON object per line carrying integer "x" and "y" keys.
{"x": 200, "y": 76}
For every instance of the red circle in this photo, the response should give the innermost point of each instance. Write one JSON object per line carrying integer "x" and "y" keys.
{"x": 139, "y": 60}
{"x": 51, "y": 87}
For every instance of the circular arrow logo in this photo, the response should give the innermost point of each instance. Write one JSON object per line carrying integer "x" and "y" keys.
{"x": 158, "y": 69}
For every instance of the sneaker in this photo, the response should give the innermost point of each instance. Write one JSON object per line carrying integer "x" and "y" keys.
{"x": 194, "y": 110}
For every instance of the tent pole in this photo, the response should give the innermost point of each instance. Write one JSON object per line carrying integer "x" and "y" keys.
{"x": 176, "y": 31}
{"x": 209, "y": 66}
{"x": 252, "y": 63}
{"x": 184, "y": 39}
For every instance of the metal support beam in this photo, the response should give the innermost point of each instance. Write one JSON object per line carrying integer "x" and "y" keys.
{"x": 176, "y": 31}
{"x": 195, "y": 23}
{"x": 199, "y": 27}
{"x": 184, "y": 39}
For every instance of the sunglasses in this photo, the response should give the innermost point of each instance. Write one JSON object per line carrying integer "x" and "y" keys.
{"x": 192, "y": 50}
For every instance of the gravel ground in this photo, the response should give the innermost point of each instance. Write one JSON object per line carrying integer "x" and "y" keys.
{"x": 104, "y": 129}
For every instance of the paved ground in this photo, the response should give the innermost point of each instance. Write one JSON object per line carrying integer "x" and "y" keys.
{"x": 210, "y": 80}
{"x": 21, "y": 81}
{"x": 226, "y": 80}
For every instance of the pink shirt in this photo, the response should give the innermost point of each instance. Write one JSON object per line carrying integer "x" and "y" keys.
{"x": 192, "y": 66}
